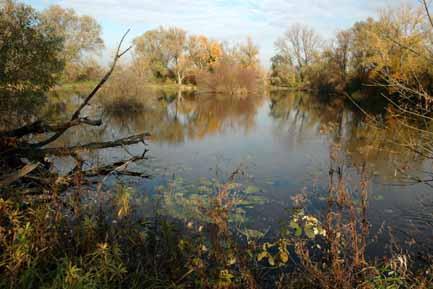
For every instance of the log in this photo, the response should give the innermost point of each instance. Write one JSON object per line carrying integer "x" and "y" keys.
{"x": 40, "y": 127}
{"x": 67, "y": 151}
{"x": 11, "y": 178}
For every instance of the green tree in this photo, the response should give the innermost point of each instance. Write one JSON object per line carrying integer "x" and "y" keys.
{"x": 164, "y": 51}
{"x": 81, "y": 35}
{"x": 282, "y": 71}
{"x": 29, "y": 56}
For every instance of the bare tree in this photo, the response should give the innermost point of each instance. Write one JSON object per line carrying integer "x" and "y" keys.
{"x": 301, "y": 43}
{"x": 342, "y": 51}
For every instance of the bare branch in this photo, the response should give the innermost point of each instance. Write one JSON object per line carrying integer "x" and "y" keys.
{"x": 9, "y": 179}
{"x": 76, "y": 114}
{"x": 39, "y": 127}
{"x": 94, "y": 146}
{"x": 427, "y": 10}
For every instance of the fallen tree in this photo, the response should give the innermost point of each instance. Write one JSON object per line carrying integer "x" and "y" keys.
{"x": 26, "y": 165}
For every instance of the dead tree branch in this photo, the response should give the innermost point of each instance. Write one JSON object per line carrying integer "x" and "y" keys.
{"x": 77, "y": 113}
{"x": 67, "y": 151}
{"x": 11, "y": 178}
{"x": 40, "y": 127}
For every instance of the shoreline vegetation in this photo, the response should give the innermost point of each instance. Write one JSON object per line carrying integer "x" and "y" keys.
{"x": 72, "y": 230}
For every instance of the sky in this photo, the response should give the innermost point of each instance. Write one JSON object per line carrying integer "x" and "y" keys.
{"x": 226, "y": 20}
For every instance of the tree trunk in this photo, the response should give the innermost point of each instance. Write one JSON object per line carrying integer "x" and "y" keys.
{"x": 179, "y": 78}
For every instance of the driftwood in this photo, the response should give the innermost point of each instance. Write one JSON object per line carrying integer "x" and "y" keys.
{"x": 40, "y": 127}
{"x": 66, "y": 151}
{"x": 14, "y": 146}
{"x": 119, "y": 168}
{"x": 11, "y": 178}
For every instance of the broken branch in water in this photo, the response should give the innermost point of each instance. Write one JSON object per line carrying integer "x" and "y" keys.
{"x": 11, "y": 178}
{"x": 77, "y": 113}
{"x": 14, "y": 150}
{"x": 40, "y": 127}
{"x": 66, "y": 151}
{"x": 118, "y": 168}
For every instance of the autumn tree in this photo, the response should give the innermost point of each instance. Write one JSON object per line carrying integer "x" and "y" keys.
{"x": 329, "y": 71}
{"x": 151, "y": 51}
{"x": 249, "y": 54}
{"x": 341, "y": 48}
{"x": 237, "y": 71}
{"x": 204, "y": 53}
{"x": 169, "y": 53}
{"x": 282, "y": 72}
{"x": 179, "y": 61}
{"x": 164, "y": 51}
{"x": 301, "y": 43}
{"x": 81, "y": 35}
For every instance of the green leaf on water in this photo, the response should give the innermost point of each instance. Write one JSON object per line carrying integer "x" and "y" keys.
{"x": 271, "y": 260}
{"x": 296, "y": 227}
{"x": 253, "y": 234}
{"x": 309, "y": 231}
{"x": 378, "y": 197}
{"x": 252, "y": 189}
{"x": 232, "y": 186}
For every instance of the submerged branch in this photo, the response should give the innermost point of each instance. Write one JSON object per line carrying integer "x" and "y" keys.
{"x": 40, "y": 127}
{"x": 11, "y": 178}
{"x": 66, "y": 151}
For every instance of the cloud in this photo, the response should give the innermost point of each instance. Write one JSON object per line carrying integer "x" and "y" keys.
{"x": 230, "y": 20}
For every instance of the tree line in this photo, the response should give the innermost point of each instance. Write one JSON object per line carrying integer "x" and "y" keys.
{"x": 41, "y": 49}
{"x": 367, "y": 57}
{"x": 169, "y": 54}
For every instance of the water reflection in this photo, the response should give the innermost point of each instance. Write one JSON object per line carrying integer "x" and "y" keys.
{"x": 189, "y": 116}
{"x": 361, "y": 140}
{"x": 285, "y": 142}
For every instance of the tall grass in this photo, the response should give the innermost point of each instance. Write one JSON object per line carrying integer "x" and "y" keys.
{"x": 101, "y": 240}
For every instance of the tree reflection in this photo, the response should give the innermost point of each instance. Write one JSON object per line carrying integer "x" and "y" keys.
{"x": 190, "y": 116}
{"x": 361, "y": 140}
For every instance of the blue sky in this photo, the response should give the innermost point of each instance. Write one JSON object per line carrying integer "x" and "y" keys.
{"x": 229, "y": 20}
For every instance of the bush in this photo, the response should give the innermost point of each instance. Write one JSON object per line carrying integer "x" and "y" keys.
{"x": 229, "y": 78}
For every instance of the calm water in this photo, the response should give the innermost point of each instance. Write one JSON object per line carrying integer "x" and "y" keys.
{"x": 283, "y": 144}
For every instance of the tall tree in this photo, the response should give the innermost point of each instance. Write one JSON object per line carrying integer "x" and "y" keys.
{"x": 30, "y": 54}
{"x": 151, "y": 51}
{"x": 204, "y": 53}
{"x": 81, "y": 34}
{"x": 164, "y": 51}
{"x": 179, "y": 61}
{"x": 249, "y": 54}
{"x": 282, "y": 71}
{"x": 342, "y": 51}
{"x": 301, "y": 43}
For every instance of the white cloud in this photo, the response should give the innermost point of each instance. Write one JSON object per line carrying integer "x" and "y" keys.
{"x": 264, "y": 20}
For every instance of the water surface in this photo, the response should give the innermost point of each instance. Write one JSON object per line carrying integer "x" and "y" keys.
{"x": 284, "y": 142}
